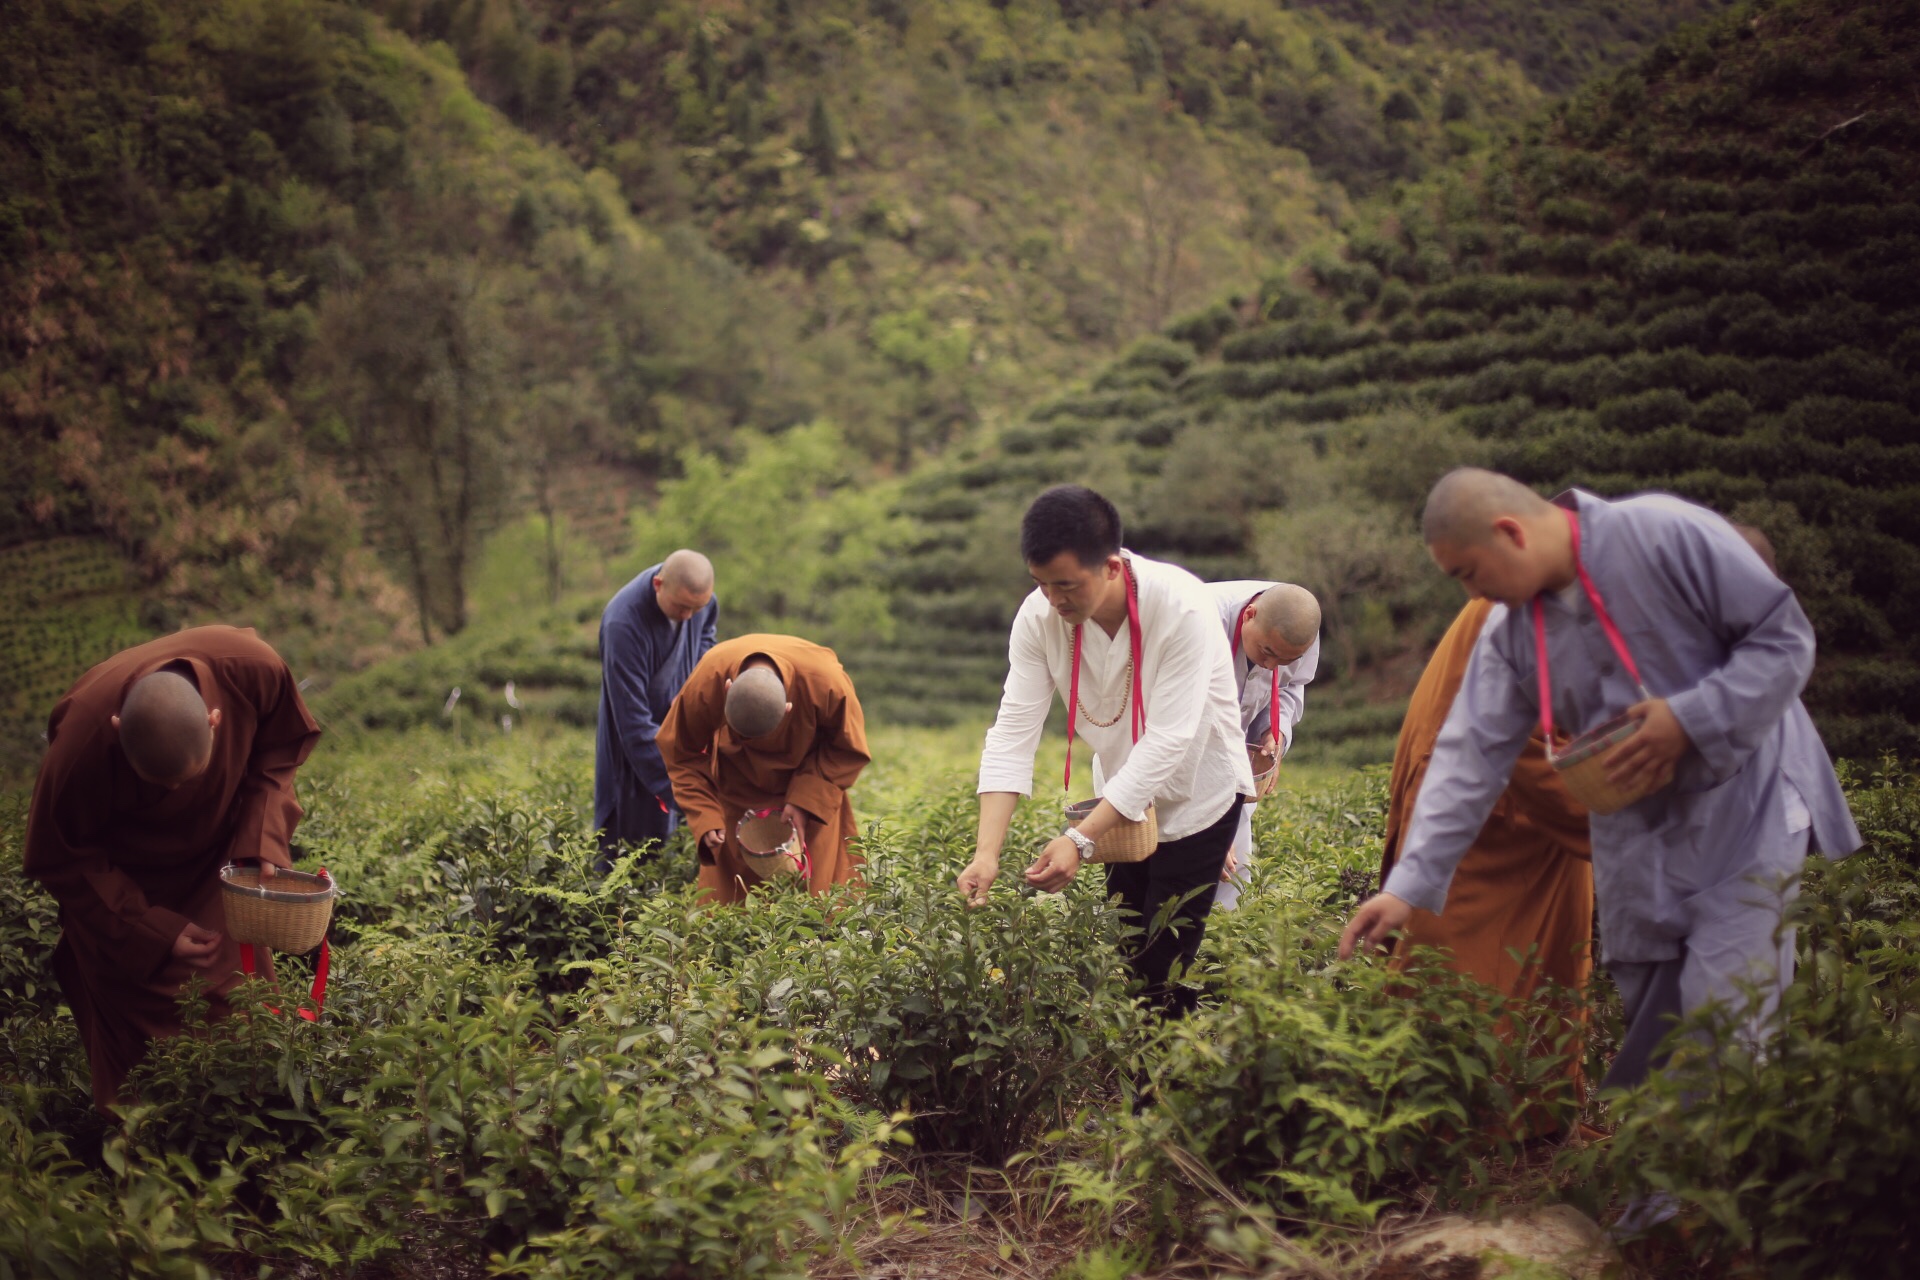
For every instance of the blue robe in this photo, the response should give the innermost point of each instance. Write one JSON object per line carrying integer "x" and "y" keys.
{"x": 645, "y": 657}
{"x": 1684, "y": 877}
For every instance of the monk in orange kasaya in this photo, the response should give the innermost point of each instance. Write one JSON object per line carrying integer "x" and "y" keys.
{"x": 1520, "y": 911}
{"x": 766, "y": 722}
{"x": 163, "y": 763}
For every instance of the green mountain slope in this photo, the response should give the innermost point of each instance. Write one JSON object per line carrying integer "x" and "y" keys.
{"x": 1697, "y": 276}
{"x": 1560, "y": 45}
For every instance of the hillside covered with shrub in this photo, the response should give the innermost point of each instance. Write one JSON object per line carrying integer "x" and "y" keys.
{"x": 1696, "y": 276}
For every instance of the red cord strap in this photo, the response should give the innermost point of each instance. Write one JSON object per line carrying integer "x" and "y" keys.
{"x": 1273, "y": 699}
{"x": 1614, "y": 637}
{"x": 320, "y": 970}
{"x": 1138, "y": 695}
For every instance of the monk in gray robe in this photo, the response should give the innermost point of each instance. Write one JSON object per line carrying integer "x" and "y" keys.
{"x": 1691, "y": 879}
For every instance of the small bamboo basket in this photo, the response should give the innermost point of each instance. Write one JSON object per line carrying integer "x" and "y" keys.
{"x": 290, "y": 916}
{"x": 1127, "y": 841}
{"x": 771, "y": 845}
{"x": 1258, "y": 760}
{"x": 1582, "y": 765}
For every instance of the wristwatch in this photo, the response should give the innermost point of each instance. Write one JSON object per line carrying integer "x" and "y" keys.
{"x": 1081, "y": 841}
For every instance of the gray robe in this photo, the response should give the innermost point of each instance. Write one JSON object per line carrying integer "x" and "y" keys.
{"x": 1725, "y": 642}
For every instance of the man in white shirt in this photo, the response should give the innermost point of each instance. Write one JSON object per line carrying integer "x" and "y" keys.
{"x": 1273, "y": 627}
{"x": 1154, "y": 699}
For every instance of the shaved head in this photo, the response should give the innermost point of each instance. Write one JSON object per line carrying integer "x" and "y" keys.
{"x": 1463, "y": 506}
{"x": 688, "y": 572}
{"x": 1288, "y": 612}
{"x": 164, "y": 728}
{"x": 756, "y": 702}
{"x": 1761, "y": 544}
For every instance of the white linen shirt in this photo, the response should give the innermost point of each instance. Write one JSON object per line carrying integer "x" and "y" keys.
{"x": 1190, "y": 762}
{"x": 1230, "y": 598}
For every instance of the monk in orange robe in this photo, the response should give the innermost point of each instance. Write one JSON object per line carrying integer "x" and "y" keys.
{"x": 163, "y": 763}
{"x": 766, "y": 722}
{"x": 1520, "y": 911}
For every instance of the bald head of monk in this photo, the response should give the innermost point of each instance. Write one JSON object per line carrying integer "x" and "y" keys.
{"x": 1762, "y": 545}
{"x": 756, "y": 700}
{"x": 684, "y": 584}
{"x": 1496, "y": 537}
{"x": 1281, "y": 624}
{"x": 165, "y": 729}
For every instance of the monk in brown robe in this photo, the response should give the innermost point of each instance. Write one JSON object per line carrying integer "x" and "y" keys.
{"x": 163, "y": 763}
{"x": 1520, "y": 911}
{"x": 766, "y": 722}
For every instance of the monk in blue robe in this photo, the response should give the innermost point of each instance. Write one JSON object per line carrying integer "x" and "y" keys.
{"x": 652, "y": 634}
{"x": 1692, "y": 878}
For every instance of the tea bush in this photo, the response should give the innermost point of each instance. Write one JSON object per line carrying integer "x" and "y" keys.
{"x": 1329, "y": 1097}
{"x": 575, "y": 1076}
{"x": 1798, "y": 1157}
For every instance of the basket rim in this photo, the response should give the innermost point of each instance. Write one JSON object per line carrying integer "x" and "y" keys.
{"x": 1081, "y": 808}
{"x": 297, "y": 897}
{"x": 1593, "y": 742}
{"x": 785, "y": 848}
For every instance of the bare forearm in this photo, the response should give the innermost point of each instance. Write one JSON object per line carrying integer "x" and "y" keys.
{"x": 996, "y": 815}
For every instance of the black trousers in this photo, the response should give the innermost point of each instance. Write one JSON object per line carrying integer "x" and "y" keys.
{"x": 1174, "y": 869}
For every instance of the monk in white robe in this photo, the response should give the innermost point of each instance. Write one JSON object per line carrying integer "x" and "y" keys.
{"x": 1272, "y": 628}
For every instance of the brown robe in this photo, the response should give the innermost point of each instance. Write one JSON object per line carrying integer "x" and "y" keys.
{"x": 131, "y": 863}
{"x": 810, "y": 761}
{"x": 1526, "y": 885}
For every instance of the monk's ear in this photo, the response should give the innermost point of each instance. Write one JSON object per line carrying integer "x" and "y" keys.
{"x": 213, "y": 718}
{"x": 1514, "y": 530}
{"x": 728, "y": 685}
{"x": 115, "y": 720}
{"x": 788, "y": 710}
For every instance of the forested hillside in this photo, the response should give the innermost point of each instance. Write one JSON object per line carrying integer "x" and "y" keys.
{"x": 295, "y": 319}
{"x": 1695, "y": 276}
{"x": 357, "y": 322}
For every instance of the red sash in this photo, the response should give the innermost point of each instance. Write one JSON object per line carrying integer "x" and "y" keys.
{"x": 1606, "y": 624}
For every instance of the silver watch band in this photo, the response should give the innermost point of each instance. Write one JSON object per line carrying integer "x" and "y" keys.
{"x": 1082, "y": 842}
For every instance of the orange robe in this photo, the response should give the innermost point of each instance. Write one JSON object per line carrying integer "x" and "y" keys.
{"x": 131, "y": 863}
{"x": 1526, "y": 886}
{"x": 810, "y": 761}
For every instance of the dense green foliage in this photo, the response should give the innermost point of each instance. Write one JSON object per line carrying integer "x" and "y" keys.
{"x": 1560, "y": 45}
{"x": 577, "y": 1076}
{"x": 1693, "y": 277}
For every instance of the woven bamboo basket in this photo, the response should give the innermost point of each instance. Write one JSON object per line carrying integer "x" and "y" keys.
{"x": 1582, "y": 765}
{"x": 1258, "y": 760}
{"x": 770, "y": 844}
{"x": 1127, "y": 841}
{"x": 291, "y": 915}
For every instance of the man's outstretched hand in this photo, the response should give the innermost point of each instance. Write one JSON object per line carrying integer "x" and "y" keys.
{"x": 977, "y": 879}
{"x": 1377, "y": 917}
{"x": 198, "y": 947}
